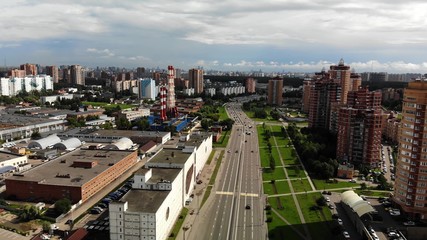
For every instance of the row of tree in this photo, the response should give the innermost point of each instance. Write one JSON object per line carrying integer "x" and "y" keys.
{"x": 319, "y": 159}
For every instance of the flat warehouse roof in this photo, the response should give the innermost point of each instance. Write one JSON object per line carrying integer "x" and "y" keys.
{"x": 147, "y": 201}
{"x": 170, "y": 155}
{"x": 61, "y": 171}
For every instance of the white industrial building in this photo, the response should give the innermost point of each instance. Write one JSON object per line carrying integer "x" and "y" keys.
{"x": 133, "y": 115}
{"x": 11, "y": 162}
{"x": 13, "y": 85}
{"x": 150, "y": 209}
{"x": 159, "y": 191}
{"x": 54, "y": 98}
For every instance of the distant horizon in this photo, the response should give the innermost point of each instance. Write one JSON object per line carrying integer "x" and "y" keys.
{"x": 206, "y": 70}
{"x": 228, "y": 35}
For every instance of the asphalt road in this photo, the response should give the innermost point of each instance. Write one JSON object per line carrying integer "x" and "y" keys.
{"x": 236, "y": 210}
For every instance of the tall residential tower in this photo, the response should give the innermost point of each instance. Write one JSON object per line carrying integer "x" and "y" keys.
{"x": 410, "y": 190}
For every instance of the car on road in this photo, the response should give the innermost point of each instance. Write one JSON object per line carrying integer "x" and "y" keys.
{"x": 409, "y": 223}
{"x": 330, "y": 206}
{"x": 339, "y": 220}
{"x": 248, "y": 206}
{"x": 346, "y": 235}
{"x": 327, "y": 199}
{"x": 199, "y": 181}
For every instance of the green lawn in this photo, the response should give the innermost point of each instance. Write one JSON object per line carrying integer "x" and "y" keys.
{"x": 261, "y": 141}
{"x": 211, "y": 157}
{"x": 322, "y": 184}
{"x": 108, "y": 105}
{"x": 268, "y": 188}
{"x": 222, "y": 113}
{"x": 276, "y": 156}
{"x": 286, "y": 156}
{"x": 289, "y": 211}
{"x": 301, "y": 185}
{"x": 318, "y": 221}
{"x": 283, "y": 187}
{"x": 215, "y": 172}
{"x": 278, "y": 230}
{"x": 178, "y": 223}
{"x": 223, "y": 140}
{"x": 268, "y": 175}
{"x": 295, "y": 171}
{"x": 264, "y": 156}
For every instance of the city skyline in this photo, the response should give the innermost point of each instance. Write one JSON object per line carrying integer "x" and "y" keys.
{"x": 224, "y": 35}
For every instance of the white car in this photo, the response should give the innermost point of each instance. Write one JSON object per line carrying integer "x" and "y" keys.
{"x": 327, "y": 199}
{"x": 339, "y": 221}
{"x": 409, "y": 223}
{"x": 346, "y": 235}
{"x": 375, "y": 236}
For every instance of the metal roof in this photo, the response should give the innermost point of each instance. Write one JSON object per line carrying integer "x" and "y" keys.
{"x": 356, "y": 203}
{"x": 44, "y": 142}
{"x": 121, "y": 144}
{"x": 68, "y": 144}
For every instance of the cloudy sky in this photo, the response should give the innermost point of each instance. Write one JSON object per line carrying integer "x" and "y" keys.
{"x": 272, "y": 35}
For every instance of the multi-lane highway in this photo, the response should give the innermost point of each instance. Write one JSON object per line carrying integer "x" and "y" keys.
{"x": 235, "y": 210}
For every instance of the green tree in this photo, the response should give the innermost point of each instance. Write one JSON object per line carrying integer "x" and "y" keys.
{"x": 28, "y": 213}
{"x": 63, "y": 205}
{"x": 35, "y": 135}
{"x": 123, "y": 123}
{"x": 46, "y": 226}
{"x": 363, "y": 186}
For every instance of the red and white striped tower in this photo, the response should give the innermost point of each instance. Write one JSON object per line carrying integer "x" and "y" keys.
{"x": 170, "y": 104}
{"x": 163, "y": 116}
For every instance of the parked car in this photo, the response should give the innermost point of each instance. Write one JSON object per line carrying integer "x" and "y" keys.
{"x": 339, "y": 220}
{"x": 409, "y": 223}
{"x": 346, "y": 235}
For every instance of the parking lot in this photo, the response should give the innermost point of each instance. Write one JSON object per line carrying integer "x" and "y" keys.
{"x": 385, "y": 229}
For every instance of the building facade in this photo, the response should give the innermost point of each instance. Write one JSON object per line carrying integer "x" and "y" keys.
{"x": 147, "y": 88}
{"x": 196, "y": 80}
{"x": 250, "y": 84}
{"x": 341, "y": 73}
{"x": 53, "y": 72}
{"x": 77, "y": 176}
{"x": 13, "y": 85}
{"x": 76, "y": 75}
{"x": 359, "y": 129}
{"x": 410, "y": 191}
{"x": 324, "y": 95}
{"x": 275, "y": 92}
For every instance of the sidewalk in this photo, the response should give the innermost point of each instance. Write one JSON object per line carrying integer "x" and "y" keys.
{"x": 194, "y": 208}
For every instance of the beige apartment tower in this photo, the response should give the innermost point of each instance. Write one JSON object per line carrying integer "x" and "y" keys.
{"x": 410, "y": 191}
{"x": 275, "y": 91}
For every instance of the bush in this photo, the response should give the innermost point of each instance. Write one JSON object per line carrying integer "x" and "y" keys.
{"x": 63, "y": 205}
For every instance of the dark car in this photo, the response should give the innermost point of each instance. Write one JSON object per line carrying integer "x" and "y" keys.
{"x": 95, "y": 211}
{"x": 248, "y": 206}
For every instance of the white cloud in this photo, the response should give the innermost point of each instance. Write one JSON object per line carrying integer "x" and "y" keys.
{"x": 102, "y": 52}
{"x": 390, "y": 30}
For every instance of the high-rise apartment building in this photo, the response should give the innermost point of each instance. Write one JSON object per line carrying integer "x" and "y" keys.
{"x": 306, "y": 90}
{"x": 30, "y": 69}
{"x": 147, "y": 88}
{"x": 359, "y": 128}
{"x": 275, "y": 91}
{"x": 53, "y": 72}
{"x": 324, "y": 94}
{"x": 410, "y": 189}
{"x": 196, "y": 80}
{"x": 250, "y": 84}
{"x": 341, "y": 73}
{"x": 17, "y": 73}
{"x": 76, "y": 75}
